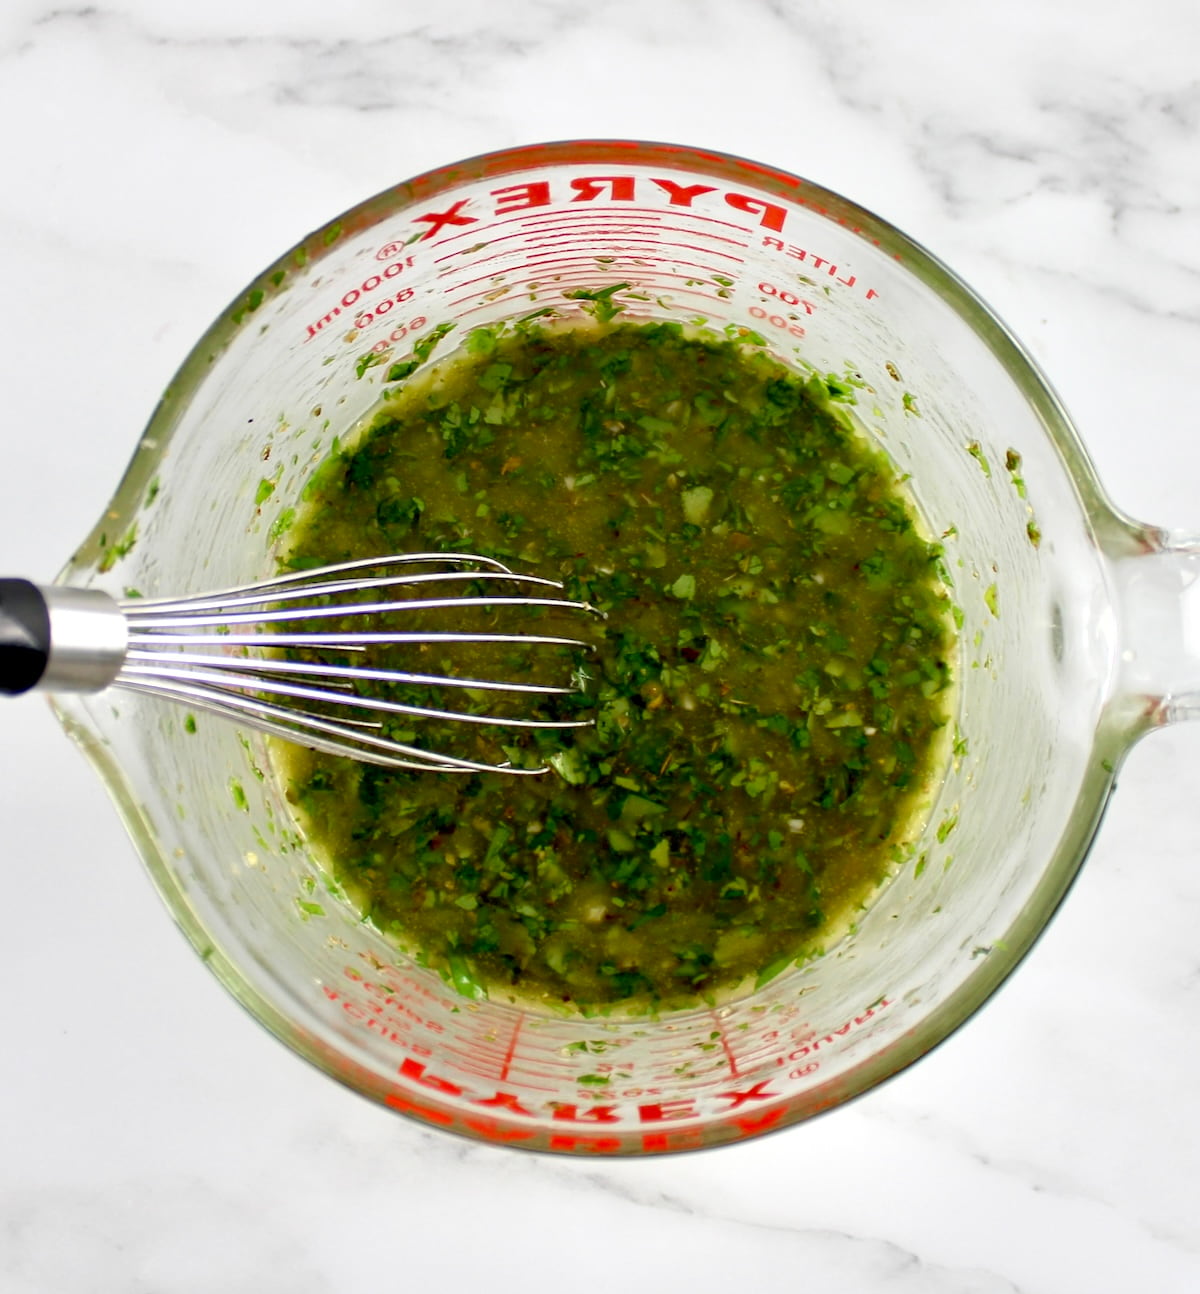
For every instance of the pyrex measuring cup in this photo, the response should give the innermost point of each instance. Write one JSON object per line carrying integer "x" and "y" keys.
{"x": 1070, "y": 643}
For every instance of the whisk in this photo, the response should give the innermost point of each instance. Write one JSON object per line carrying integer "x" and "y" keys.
{"x": 223, "y": 652}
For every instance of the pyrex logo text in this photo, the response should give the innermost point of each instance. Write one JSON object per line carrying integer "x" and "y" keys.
{"x": 615, "y": 188}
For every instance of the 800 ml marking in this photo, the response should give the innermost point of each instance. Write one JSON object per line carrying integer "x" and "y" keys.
{"x": 370, "y": 284}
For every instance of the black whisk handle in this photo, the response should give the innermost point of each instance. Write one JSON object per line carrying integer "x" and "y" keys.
{"x": 24, "y": 635}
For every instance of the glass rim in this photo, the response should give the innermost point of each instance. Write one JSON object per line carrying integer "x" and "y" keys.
{"x": 923, "y": 264}
{"x": 1058, "y": 872}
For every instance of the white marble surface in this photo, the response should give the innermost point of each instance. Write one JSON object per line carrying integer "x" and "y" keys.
{"x": 154, "y": 156}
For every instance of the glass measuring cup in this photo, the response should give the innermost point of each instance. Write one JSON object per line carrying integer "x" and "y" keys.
{"x": 1072, "y": 643}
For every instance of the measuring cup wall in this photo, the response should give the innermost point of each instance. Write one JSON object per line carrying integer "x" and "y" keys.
{"x": 705, "y": 241}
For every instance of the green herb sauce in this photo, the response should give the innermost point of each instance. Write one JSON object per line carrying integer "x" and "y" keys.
{"x": 770, "y": 687}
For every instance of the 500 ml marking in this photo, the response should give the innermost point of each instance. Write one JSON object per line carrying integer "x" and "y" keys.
{"x": 372, "y": 283}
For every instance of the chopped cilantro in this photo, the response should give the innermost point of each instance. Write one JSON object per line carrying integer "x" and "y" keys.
{"x": 421, "y": 352}
{"x": 602, "y": 304}
{"x": 769, "y": 688}
{"x": 976, "y": 451}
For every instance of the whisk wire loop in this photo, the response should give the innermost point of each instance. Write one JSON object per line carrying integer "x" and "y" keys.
{"x": 231, "y": 652}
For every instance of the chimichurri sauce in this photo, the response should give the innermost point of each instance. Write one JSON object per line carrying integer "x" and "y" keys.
{"x": 769, "y": 688}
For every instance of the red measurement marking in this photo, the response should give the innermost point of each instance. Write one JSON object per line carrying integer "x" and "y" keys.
{"x": 519, "y": 237}
{"x": 595, "y": 233}
{"x": 544, "y": 236}
{"x": 467, "y": 1067}
{"x": 543, "y": 286}
{"x": 625, "y": 212}
{"x": 550, "y": 263}
{"x": 511, "y": 1050}
{"x": 605, "y": 255}
{"x": 633, "y": 310}
{"x": 602, "y": 263}
{"x": 528, "y": 1083}
{"x": 647, "y": 282}
{"x": 605, "y": 248}
{"x": 486, "y": 227}
{"x": 459, "y": 1063}
{"x": 635, "y": 258}
{"x": 552, "y": 235}
{"x": 466, "y": 1053}
{"x": 545, "y": 282}
{"x": 590, "y": 220}
{"x": 640, "y": 265}
{"x": 387, "y": 1015}
{"x": 574, "y": 216}
{"x": 814, "y": 1043}
{"x": 481, "y": 234}
{"x": 370, "y": 284}
{"x": 730, "y": 1058}
{"x": 655, "y": 242}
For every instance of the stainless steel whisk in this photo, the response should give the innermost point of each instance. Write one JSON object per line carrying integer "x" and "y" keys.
{"x": 207, "y": 651}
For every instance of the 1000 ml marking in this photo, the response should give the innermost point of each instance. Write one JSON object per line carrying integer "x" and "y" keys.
{"x": 370, "y": 284}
